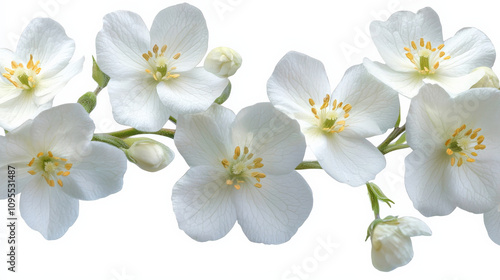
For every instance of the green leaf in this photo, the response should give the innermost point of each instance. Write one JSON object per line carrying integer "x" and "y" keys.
{"x": 100, "y": 77}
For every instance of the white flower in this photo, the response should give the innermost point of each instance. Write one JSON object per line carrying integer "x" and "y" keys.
{"x": 154, "y": 74}
{"x": 35, "y": 72}
{"x": 492, "y": 223}
{"x": 455, "y": 144}
{"x": 336, "y": 126}
{"x": 56, "y": 165}
{"x": 489, "y": 79}
{"x": 391, "y": 243}
{"x": 148, "y": 154}
{"x": 413, "y": 49}
{"x": 242, "y": 168}
{"x": 223, "y": 62}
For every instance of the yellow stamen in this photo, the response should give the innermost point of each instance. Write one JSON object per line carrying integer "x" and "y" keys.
{"x": 413, "y": 45}
{"x": 311, "y": 101}
{"x": 236, "y": 152}
{"x": 68, "y": 166}
{"x": 407, "y": 49}
{"x": 177, "y": 55}
{"x": 32, "y": 172}
{"x": 471, "y": 160}
{"x": 39, "y": 154}
{"x": 421, "y": 42}
{"x": 258, "y": 185}
{"x": 229, "y": 182}
{"x": 66, "y": 173}
{"x": 31, "y": 162}
{"x": 146, "y": 57}
{"x": 225, "y": 163}
{"x": 59, "y": 182}
{"x": 449, "y": 152}
{"x": 452, "y": 161}
{"x": 237, "y": 187}
{"x": 245, "y": 150}
{"x": 460, "y": 161}
{"x": 440, "y": 46}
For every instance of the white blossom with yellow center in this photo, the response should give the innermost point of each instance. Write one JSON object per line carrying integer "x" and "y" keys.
{"x": 415, "y": 54}
{"x": 33, "y": 74}
{"x": 154, "y": 73}
{"x": 336, "y": 125}
{"x": 242, "y": 168}
{"x": 57, "y": 165}
{"x": 455, "y": 146}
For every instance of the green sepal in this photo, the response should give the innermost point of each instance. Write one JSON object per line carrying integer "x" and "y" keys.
{"x": 100, "y": 77}
{"x": 386, "y": 220}
{"x": 225, "y": 95}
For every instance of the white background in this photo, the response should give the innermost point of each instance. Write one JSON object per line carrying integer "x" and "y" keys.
{"x": 134, "y": 235}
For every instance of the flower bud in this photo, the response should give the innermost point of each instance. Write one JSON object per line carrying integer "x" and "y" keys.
{"x": 149, "y": 154}
{"x": 391, "y": 243}
{"x": 223, "y": 62}
{"x": 489, "y": 79}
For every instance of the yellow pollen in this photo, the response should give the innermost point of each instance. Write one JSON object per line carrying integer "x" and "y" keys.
{"x": 155, "y": 49}
{"x": 250, "y": 155}
{"x": 407, "y": 49}
{"x": 428, "y": 46}
{"x": 440, "y": 46}
{"x": 68, "y": 166}
{"x": 176, "y": 56}
{"x": 31, "y": 162}
{"x": 258, "y": 185}
{"x": 39, "y": 155}
{"x": 236, "y": 152}
{"x": 413, "y": 45}
{"x": 447, "y": 142}
{"x": 59, "y": 182}
{"x": 423, "y": 57}
{"x": 32, "y": 172}
{"x": 479, "y": 147}
{"x": 421, "y": 42}
{"x": 436, "y": 65}
{"x": 452, "y": 161}
{"x": 446, "y": 58}
{"x": 460, "y": 161}
{"x": 66, "y": 173}
{"x": 463, "y": 144}
{"x": 163, "y": 49}
{"x": 50, "y": 154}
{"x": 311, "y": 101}
{"x": 146, "y": 57}
{"x": 245, "y": 150}
{"x": 237, "y": 187}
{"x": 470, "y": 160}
{"x": 229, "y": 182}
{"x": 314, "y": 111}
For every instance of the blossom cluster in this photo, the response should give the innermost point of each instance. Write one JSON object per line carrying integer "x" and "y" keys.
{"x": 244, "y": 167}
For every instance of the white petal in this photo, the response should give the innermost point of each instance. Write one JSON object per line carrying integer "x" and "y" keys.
{"x": 184, "y": 30}
{"x": 47, "y": 89}
{"x": 65, "y": 130}
{"x": 393, "y": 249}
{"x": 48, "y": 210}
{"x": 120, "y": 45}
{"x": 273, "y": 213}
{"x": 135, "y": 103}
{"x": 270, "y": 135}
{"x": 427, "y": 122}
{"x": 392, "y": 36}
{"x": 202, "y": 204}
{"x": 204, "y": 138}
{"x": 475, "y": 186}
{"x": 193, "y": 92}
{"x": 411, "y": 226}
{"x": 469, "y": 48}
{"x": 18, "y": 110}
{"x": 349, "y": 160}
{"x": 492, "y": 223}
{"x": 427, "y": 181}
{"x": 6, "y": 57}
{"x": 47, "y": 41}
{"x": 296, "y": 79}
{"x": 375, "y": 106}
{"x": 456, "y": 85}
{"x": 406, "y": 83}
{"x": 97, "y": 174}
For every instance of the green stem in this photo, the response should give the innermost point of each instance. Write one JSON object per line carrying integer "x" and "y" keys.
{"x": 374, "y": 201}
{"x": 97, "y": 90}
{"x": 394, "y": 134}
{"x": 394, "y": 147}
{"x": 132, "y": 131}
{"x": 114, "y": 141}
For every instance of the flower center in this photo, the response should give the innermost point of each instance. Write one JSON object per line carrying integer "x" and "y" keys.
{"x": 158, "y": 62}
{"x": 331, "y": 118}
{"x": 50, "y": 167}
{"x": 463, "y": 144}
{"x": 424, "y": 55}
{"x": 240, "y": 169}
{"x": 23, "y": 77}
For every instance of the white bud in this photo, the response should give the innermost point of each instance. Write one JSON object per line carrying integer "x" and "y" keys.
{"x": 391, "y": 243}
{"x": 223, "y": 62}
{"x": 489, "y": 79}
{"x": 148, "y": 154}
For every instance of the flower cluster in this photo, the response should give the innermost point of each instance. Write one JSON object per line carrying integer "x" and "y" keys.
{"x": 243, "y": 167}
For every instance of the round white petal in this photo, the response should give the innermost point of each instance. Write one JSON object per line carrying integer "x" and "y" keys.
{"x": 48, "y": 210}
{"x": 349, "y": 160}
{"x": 120, "y": 45}
{"x": 193, "y": 92}
{"x": 270, "y": 135}
{"x": 296, "y": 79}
{"x": 47, "y": 89}
{"x": 47, "y": 41}
{"x": 184, "y": 30}
{"x": 20, "y": 109}
{"x": 455, "y": 85}
{"x": 390, "y": 248}
{"x": 63, "y": 130}
{"x": 411, "y": 226}
{"x": 135, "y": 103}
{"x": 469, "y": 48}
{"x": 204, "y": 138}
{"x": 392, "y": 36}
{"x": 406, "y": 83}
{"x": 202, "y": 203}
{"x": 97, "y": 173}
{"x": 375, "y": 106}
{"x": 273, "y": 213}
{"x": 492, "y": 223}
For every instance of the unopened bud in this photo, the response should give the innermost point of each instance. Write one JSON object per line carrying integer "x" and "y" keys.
{"x": 489, "y": 80}
{"x": 149, "y": 154}
{"x": 223, "y": 62}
